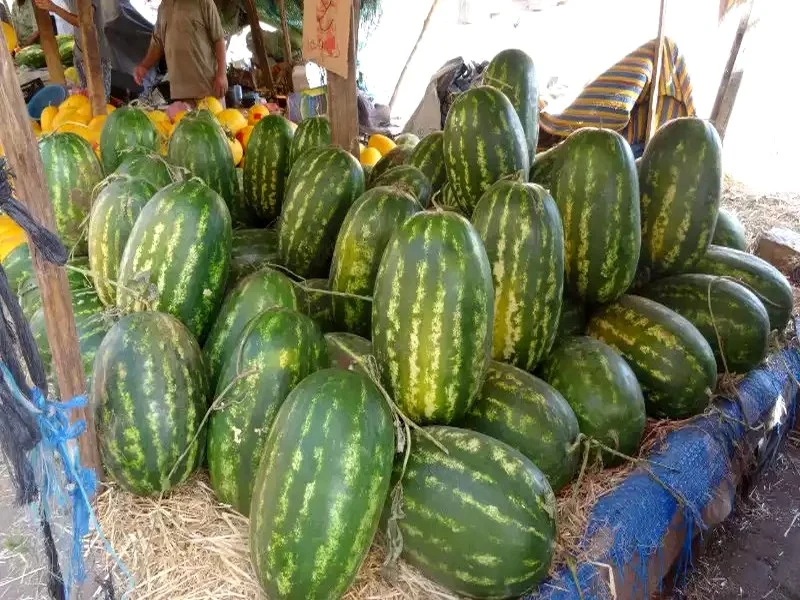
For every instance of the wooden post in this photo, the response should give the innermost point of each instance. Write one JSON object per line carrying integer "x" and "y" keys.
{"x": 258, "y": 44}
{"x": 287, "y": 45}
{"x": 22, "y": 153}
{"x": 400, "y": 79}
{"x": 342, "y": 97}
{"x": 91, "y": 57}
{"x": 47, "y": 39}
{"x": 652, "y": 121}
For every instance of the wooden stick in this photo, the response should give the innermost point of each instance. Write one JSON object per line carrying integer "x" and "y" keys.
{"x": 258, "y": 43}
{"x": 400, "y": 79}
{"x": 287, "y": 45}
{"x": 30, "y": 186}
{"x": 90, "y": 49}
{"x": 47, "y": 39}
{"x": 734, "y": 53}
{"x": 652, "y": 122}
{"x": 342, "y": 97}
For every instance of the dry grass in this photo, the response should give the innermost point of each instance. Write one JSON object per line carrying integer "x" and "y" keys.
{"x": 760, "y": 212}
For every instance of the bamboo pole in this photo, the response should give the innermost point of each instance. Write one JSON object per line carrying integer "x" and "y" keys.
{"x": 287, "y": 45}
{"x": 342, "y": 98}
{"x": 90, "y": 48}
{"x": 400, "y": 79}
{"x": 258, "y": 43}
{"x": 652, "y": 122}
{"x": 22, "y": 154}
{"x": 47, "y": 39}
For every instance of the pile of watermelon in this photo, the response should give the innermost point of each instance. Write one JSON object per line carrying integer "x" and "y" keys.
{"x": 429, "y": 350}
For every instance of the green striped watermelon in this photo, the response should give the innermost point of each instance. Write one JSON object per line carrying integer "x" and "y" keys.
{"x": 278, "y": 349}
{"x": 512, "y": 72}
{"x": 366, "y": 230}
{"x": 150, "y": 166}
{"x": 178, "y": 256}
{"x": 408, "y": 179}
{"x": 407, "y": 139}
{"x": 18, "y": 267}
{"x": 347, "y": 349}
{"x": 756, "y": 274}
{"x": 125, "y": 128}
{"x": 672, "y": 361}
{"x": 314, "y": 132}
{"x": 528, "y": 414}
{"x": 323, "y": 479}
{"x": 318, "y": 304}
{"x": 545, "y": 167}
{"x": 681, "y": 182}
{"x": 483, "y": 142}
{"x": 573, "y": 318}
{"x": 115, "y": 210}
{"x": 72, "y": 172}
{"x": 602, "y": 390}
{"x": 251, "y": 250}
{"x": 428, "y": 157}
{"x": 150, "y": 392}
{"x": 597, "y": 192}
{"x": 729, "y": 231}
{"x": 267, "y": 167}
{"x": 731, "y": 318}
{"x": 397, "y": 156}
{"x": 323, "y": 185}
{"x": 521, "y": 230}
{"x": 479, "y": 517}
{"x": 432, "y": 314}
{"x": 251, "y": 296}
{"x": 446, "y": 199}
{"x": 199, "y": 144}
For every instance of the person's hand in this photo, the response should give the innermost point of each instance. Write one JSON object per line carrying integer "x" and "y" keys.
{"x": 47, "y": 5}
{"x": 139, "y": 73}
{"x": 220, "y": 84}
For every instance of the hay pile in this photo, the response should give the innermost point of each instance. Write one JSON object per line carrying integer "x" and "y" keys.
{"x": 760, "y": 212}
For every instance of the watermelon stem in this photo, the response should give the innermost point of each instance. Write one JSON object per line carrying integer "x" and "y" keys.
{"x": 299, "y": 281}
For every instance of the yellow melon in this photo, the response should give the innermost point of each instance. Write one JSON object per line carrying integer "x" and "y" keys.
{"x": 178, "y": 116}
{"x": 256, "y": 113}
{"x": 212, "y": 104}
{"x": 370, "y": 157}
{"x": 37, "y": 129}
{"x": 381, "y": 143}
{"x": 236, "y": 150}
{"x": 71, "y": 75}
{"x": 232, "y": 120}
{"x": 244, "y": 136}
{"x": 97, "y": 123}
{"x": 74, "y": 102}
{"x": 11, "y": 236}
{"x": 10, "y": 35}
{"x": 157, "y": 116}
{"x": 68, "y": 116}
{"x": 46, "y": 119}
{"x": 79, "y": 129}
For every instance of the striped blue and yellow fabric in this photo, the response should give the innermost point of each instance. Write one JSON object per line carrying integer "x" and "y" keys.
{"x": 619, "y": 99}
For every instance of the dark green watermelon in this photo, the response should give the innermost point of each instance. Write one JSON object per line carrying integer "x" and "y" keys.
{"x": 266, "y": 168}
{"x": 125, "y": 128}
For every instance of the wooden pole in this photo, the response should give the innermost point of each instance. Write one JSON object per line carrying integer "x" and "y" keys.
{"x": 258, "y": 44}
{"x": 90, "y": 48}
{"x": 287, "y": 45}
{"x": 425, "y": 25}
{"x": 47, "y": 39}
{"x": 652, "y": 121}
{"x": 22, "y": 153}
{"x": 342, "y": 96}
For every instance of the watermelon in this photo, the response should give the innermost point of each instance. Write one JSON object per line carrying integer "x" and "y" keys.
{"x": 681, "y": 183}
{"x": 528, "y": 414}
{"x": 18, "y": 267}
{"x": 545, "y": 167}
{"x": 573, "y": 318}
{"x": 756, "y": 274}
{"x": 30, "y": 57}
{"x": 407, "y": 139}
{"x": 323, "y": 185}
{"x": 278, "y": 349}
{"x": 178, "y": 256}
{"x": 149, "y": 166}
{"x": 479, "y": 517}
{"x": 446, "y": 199}
{"x": 113, "y": 214}
{"x": 266, "y": 168}
{"x": 321, "y": 484}
{"x": 409, "y": 179}
{"x": 347, "y": 349}
{"x": 318, "y": 304}
{"x": 150, "y": 394}
{"x": 66, "y": 52}
{"x": 672, "y": 361}
{"x": 603, "y": 392}
{"x": 596, "y": 189}
{"x": 483, "y": 142}
{"x": 72, "y": 172}
{"x": 729, "y": 231}
{"x": 366, "y": 230}
{"x": 521, "y": 230}
{"x": 512, "y": 72}
{"x": 314, "y": 132}
{"x": 199, "y": 145}
{"x": 125, "y": 128}
{"x": 731, "y": 318}
{"x": 251, "y": 250}
{"x": 432, "y": 314}
{"x": 397, "y": 156}
{"x": 252, "y": 295}
{"x": 428, "y": 157}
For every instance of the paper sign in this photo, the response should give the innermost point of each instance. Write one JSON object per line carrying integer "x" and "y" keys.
{"x": 326, "y": 33}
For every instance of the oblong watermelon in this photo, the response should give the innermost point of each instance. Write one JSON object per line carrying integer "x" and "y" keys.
{"x": 428, "y": 157}
{"x": 681, "y": 183}
{"x": 314, "y": 132}
{"x": 115, "y": 210}
{"x": 318, "y": 304}
{"x": 72, "y": 172}
{"x": 323, "y": 185}
{"x": 523, "y": 236}
{"x": 528, "y": 414}
{"x": 266, "y": 168}
{"x": 252, "y": 250}
{"x": 479, "y": 517}
{"x": 250, "y": 297}
{"x": 408, "y": 179}
{"x": 125, "y": 128}
{"x": 150, "y": 393}
{"x": 366, "y": 230}
{"x": 278, "y": 349}
{"x": 672, "y": 361}
{"x": 432, "y": 314}
{"x": 178, "y": 256}
{"x": 603, "y": 392}
{"x": 729, "y": 231}
{"x": 323, "y": 479}
{"x": 18, "y": 267}
{"x": 483, "y": 142}
{"x": 349, "y": 351}
{"x": 150, "y": 166}
{"x": 573, "y": 318}
{"x": 397, "y": 156}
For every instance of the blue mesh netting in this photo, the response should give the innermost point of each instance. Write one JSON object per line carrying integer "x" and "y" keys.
{"x": 627, "y": 526}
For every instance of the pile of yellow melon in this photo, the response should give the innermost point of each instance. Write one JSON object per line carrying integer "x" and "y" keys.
{"x": 377, "y": 147}
{"x": 73, "y": 115}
